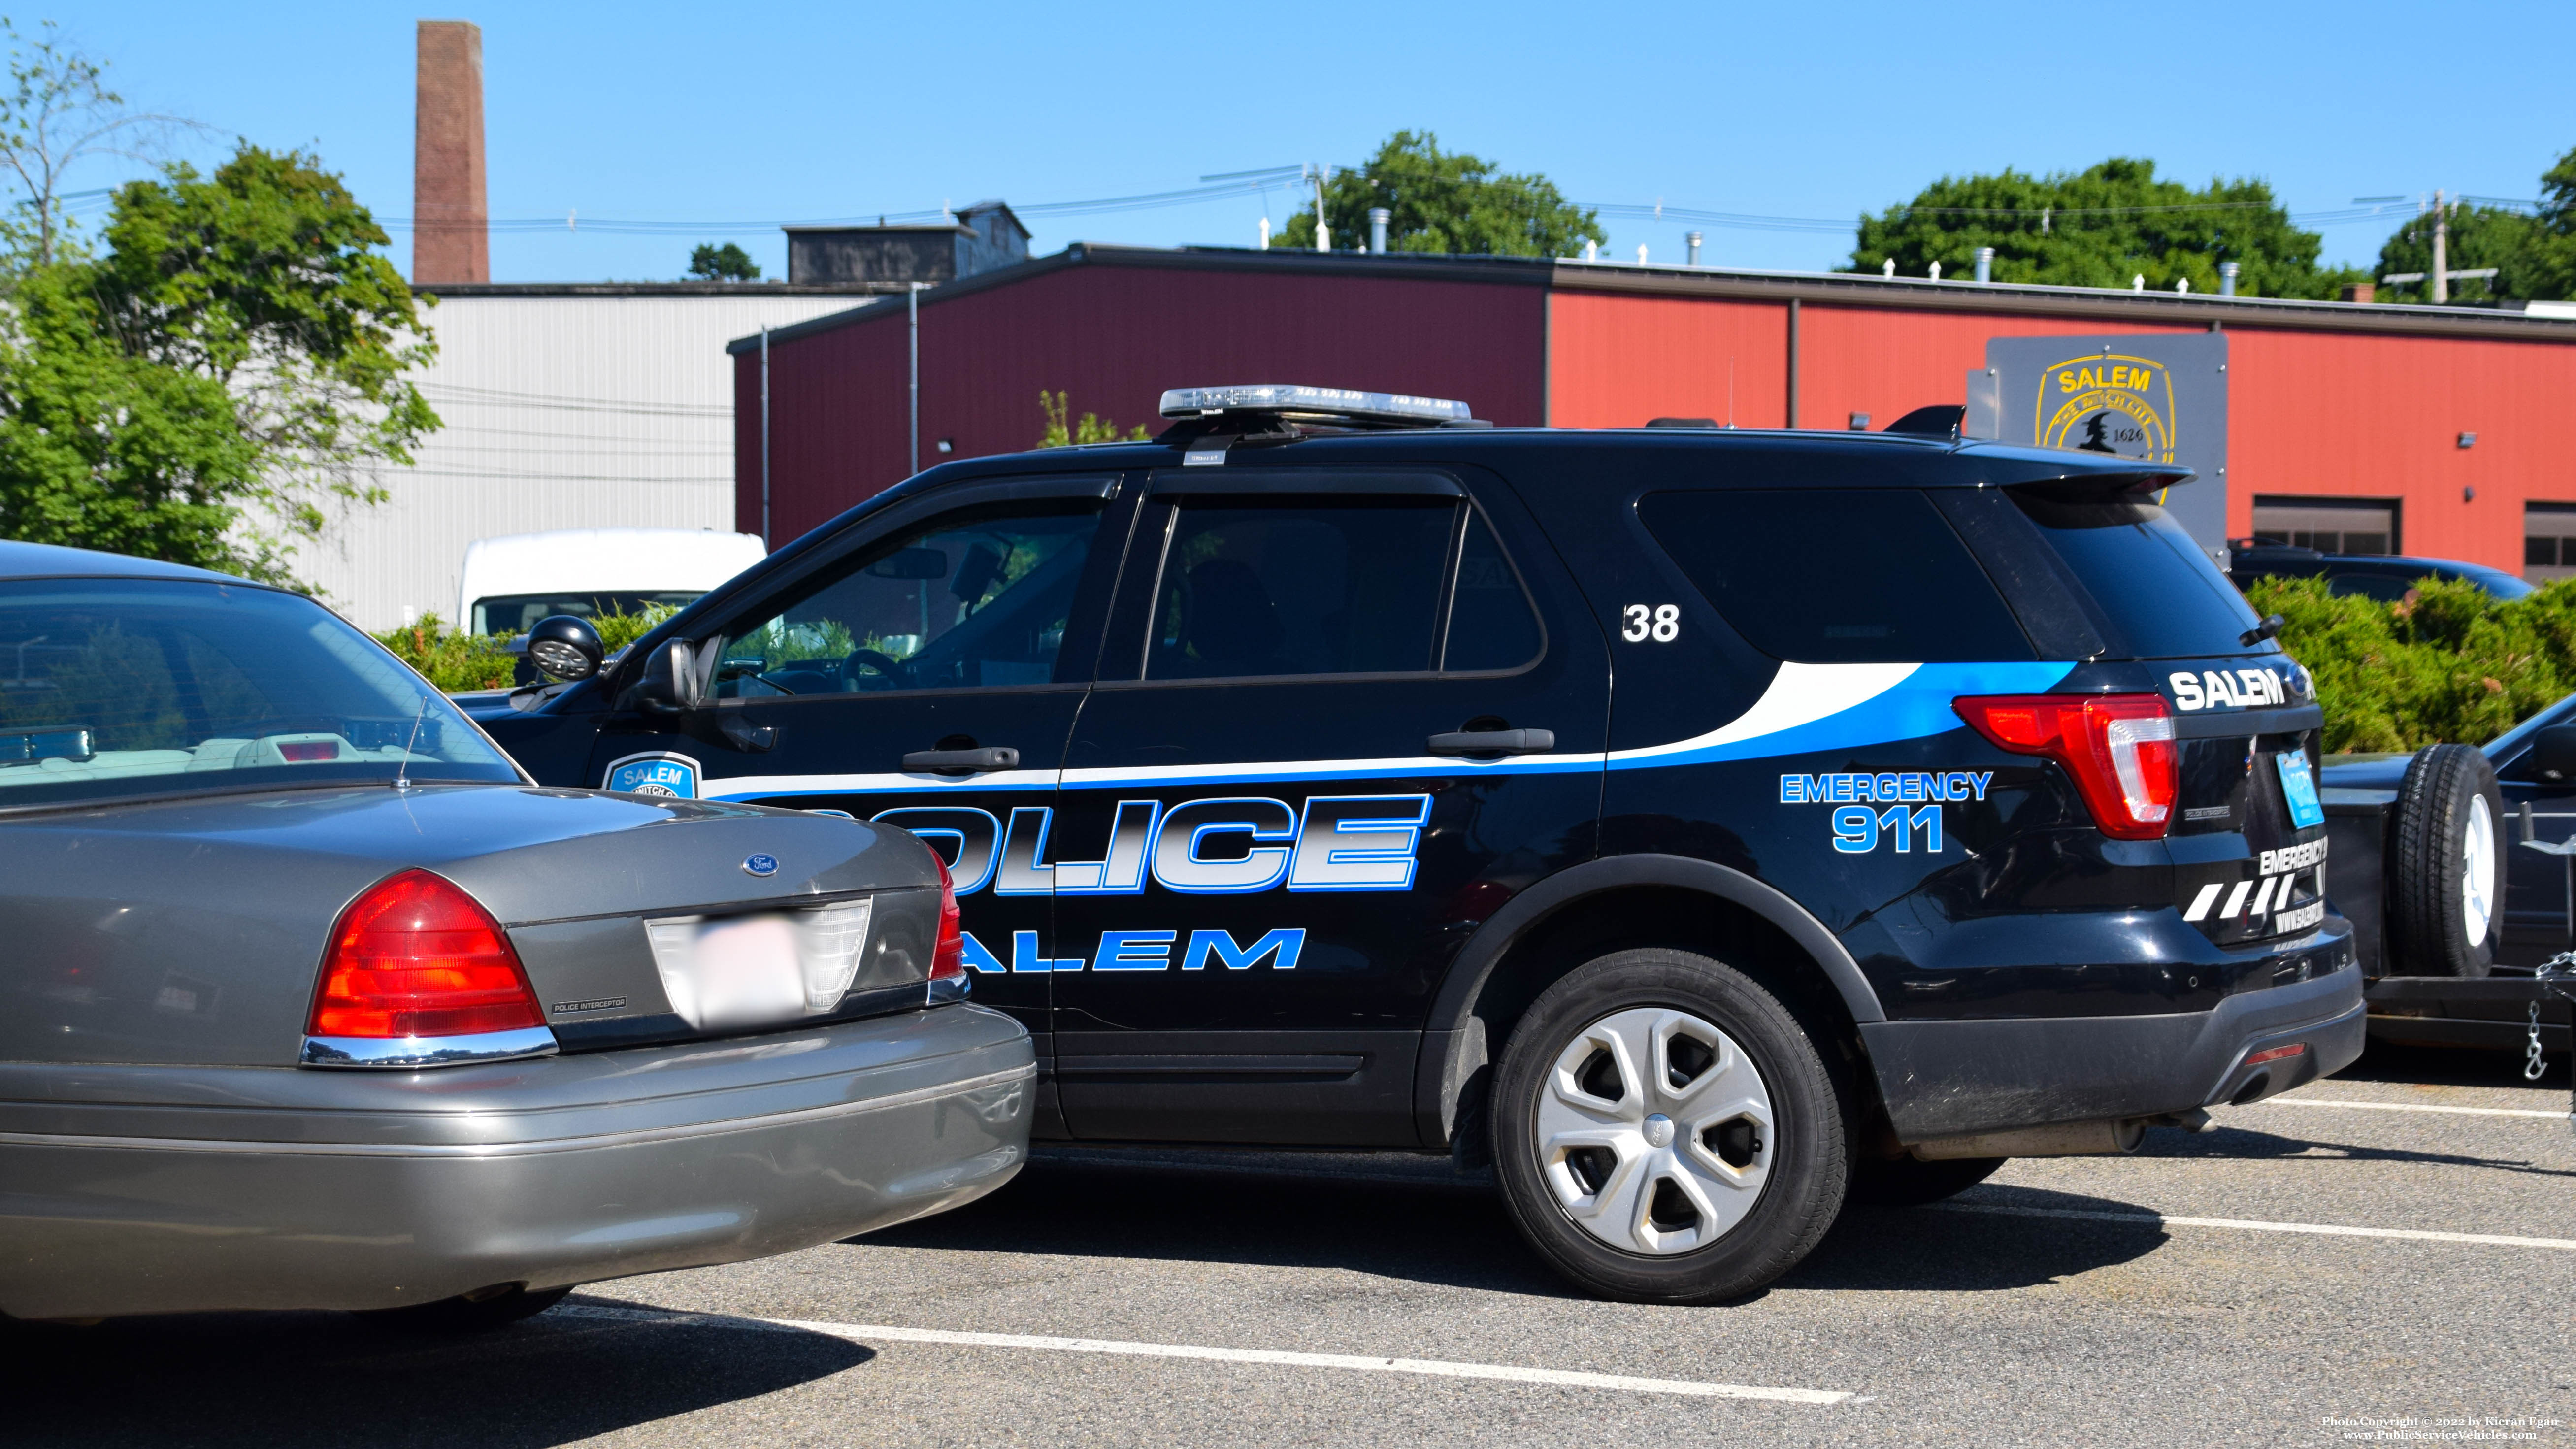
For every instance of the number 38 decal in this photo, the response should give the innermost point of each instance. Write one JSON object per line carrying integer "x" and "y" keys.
{"x": 1661, "y": 623}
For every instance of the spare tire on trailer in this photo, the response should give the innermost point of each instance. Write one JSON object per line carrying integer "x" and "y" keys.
{"x": 2445, "y": 883}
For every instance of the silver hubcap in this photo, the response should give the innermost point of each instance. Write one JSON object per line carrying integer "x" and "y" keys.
{"x": 1655, "y": 1131}
{"x": 2477, "y": 871}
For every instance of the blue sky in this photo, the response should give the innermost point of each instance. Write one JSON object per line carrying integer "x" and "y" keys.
{"x": 737, "y": 118}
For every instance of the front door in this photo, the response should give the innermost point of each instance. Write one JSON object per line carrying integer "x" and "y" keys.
{"x": 1341, "y": 719}
{"x": 925, "y": 674}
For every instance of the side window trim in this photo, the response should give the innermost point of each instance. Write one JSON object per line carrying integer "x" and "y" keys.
{"x": 1474, "y": 513}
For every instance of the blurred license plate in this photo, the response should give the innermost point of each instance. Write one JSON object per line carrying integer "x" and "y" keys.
{"x": 734, "y": 972}
{"x": 2299, "y": 788}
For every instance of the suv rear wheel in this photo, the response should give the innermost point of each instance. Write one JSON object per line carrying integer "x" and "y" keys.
{"x": 1665, "y": 1132}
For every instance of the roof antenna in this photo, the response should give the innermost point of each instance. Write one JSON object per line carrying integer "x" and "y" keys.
{"x": 402, "y": 771}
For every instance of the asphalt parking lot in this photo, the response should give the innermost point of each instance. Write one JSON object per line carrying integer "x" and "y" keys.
{"x": 2198, "y": 1293}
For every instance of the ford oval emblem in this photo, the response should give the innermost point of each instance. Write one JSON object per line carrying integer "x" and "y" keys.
{"x": 762, "y": 865}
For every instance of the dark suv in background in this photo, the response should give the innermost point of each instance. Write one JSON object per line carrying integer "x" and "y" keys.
{"x": 1704, "y": 825}
{"x": 2381, "y": 576}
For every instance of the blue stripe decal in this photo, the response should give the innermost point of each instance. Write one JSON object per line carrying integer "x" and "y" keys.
{"x": 1815, "y": 708}
{"x": 1805, "y": 709}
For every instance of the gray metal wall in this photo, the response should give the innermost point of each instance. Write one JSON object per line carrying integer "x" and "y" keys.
{"x": 583, "y": 411}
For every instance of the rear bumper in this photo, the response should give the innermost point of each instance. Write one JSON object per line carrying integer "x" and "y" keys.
{"x": 1947, "y": 1078}
{"x": 158, "y": 1190}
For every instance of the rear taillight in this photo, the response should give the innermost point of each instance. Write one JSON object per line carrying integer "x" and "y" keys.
{"x": 415, "y": 956}
{"x": 948, "y": 958}
{"x": 2119, "y": 749}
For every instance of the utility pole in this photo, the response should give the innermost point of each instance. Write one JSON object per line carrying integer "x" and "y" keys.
{"x": 912, "y": 299}
{"x": 1323, "y": 233}
{"x": 2441, "y": 276}
{"x": 764, "y": 435}
{"x": 2441, "y": 253}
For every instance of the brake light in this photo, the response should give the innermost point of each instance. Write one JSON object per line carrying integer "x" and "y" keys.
{"x": 415, "y": 956}
{"x": 2275, "y": 1054}
{"x": 948, "y": 958}
{"x": 297, "y": 752}
{"x": 2118, "y": 748}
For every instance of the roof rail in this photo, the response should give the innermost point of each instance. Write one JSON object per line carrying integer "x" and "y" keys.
{"x": 1266, "y": 407}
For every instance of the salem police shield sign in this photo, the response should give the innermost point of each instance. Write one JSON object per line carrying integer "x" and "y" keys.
{"x": 2160, "y": 398}
{"x": 666, "y": 775}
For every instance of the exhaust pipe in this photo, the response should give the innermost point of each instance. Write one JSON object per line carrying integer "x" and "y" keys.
{"x": 2110, "y": 1138}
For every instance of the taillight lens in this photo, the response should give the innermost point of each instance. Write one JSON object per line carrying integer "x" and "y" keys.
{"x": 415, "y": 956}
{"x": 2118, "y": 748}
{"x": 948, "y": 958}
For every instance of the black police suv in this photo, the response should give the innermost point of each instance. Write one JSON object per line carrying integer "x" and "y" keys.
{"x": 1707, "y": 825}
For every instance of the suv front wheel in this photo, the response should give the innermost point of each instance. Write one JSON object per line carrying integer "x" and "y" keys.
{"x": 1666, "y": 1132}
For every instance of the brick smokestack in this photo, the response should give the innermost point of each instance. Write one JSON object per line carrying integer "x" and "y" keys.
{"x": 448, "y": 238}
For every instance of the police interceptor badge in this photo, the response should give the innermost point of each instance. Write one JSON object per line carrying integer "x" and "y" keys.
{"x": 659, "y": 773}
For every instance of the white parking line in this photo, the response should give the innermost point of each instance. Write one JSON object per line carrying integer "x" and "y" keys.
{"x": 2330, "y": 1230}
{"x": 867, "y": 1332}
{"x": 2408, "y": 1107}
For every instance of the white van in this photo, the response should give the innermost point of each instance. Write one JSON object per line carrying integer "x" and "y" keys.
{"x": 510, "y": 583}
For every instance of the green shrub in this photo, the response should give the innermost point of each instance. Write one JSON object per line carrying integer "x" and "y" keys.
{"x": 449, "y": 658}
{"x": 2449, "y": 663}
{"x": 455, "y": 660}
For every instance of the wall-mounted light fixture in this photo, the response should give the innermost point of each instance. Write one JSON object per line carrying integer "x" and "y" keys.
{"x": 948, "y": 445}
{"x": 2468, "y": 440}
{"x": 2468, "y": 493}
{"x": 1860, "y": 422}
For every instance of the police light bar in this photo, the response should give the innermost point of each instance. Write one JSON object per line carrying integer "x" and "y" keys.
{"x": 1318, "y": 402}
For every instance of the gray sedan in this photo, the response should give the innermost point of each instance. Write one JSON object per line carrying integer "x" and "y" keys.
{"x": 313, "y": 1000}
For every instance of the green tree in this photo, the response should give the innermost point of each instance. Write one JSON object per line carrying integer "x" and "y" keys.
{"x": 2534, "y": 254}
{"x": 2478, "y": 236}
{"x": 57, "y": 112}
{"x": 227, "y": 369}
{"x": 1091, "y": 428}
{"x": 1445, "y": 201}
{"x": 727, "y": 263}
{"x": 2101, "y": 227}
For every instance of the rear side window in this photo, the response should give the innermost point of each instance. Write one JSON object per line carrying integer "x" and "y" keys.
{"x": 1342, "y": 586}
{"x": 2159, "y": 595}
{"x": 1837, "y": 575}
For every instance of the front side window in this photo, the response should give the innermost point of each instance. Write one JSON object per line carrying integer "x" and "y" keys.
{"x": 124, "y": 687}
{"x": 974, "y": 600}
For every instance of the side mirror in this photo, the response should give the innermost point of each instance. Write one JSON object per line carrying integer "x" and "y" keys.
{"x": 669, "y": 682}
{"x": 566, "y": 647}
{"x": 2553, "y": 754}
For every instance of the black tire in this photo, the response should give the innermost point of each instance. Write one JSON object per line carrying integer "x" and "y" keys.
{"x": 470, "y": 1313}
{"x": 1912, "y": 1182}
{"x": 2434, "y": 929}
{"x": 1803, "y": 1162}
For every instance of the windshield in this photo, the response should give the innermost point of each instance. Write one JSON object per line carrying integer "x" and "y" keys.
{"x": 112, "y": 688}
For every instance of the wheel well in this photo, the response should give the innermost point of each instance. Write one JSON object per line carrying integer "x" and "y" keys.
{"x": 1629, "y": 917}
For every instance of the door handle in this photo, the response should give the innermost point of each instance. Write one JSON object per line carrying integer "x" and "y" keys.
{"x": 742, "y": 734}
{"x": 1494, "y": 742}
{"x": 991, "y": 757}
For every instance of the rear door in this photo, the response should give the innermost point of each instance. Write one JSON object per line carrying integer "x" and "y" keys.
{"x": 925, "y": 674}
{"x": 1266, "y": 850}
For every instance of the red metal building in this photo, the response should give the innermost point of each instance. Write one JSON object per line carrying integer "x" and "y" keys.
{"x": 2451, "y": 424}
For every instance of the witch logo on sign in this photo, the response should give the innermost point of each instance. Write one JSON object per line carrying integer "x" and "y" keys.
{"x": 2107, "y": 402}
